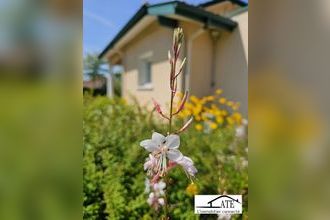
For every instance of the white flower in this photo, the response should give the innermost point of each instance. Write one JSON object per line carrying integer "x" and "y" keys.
{"x": 150, "y": 162}
{"x": 161, "y": 148}
{"x": 241, "y": 130}
{"x": 160, "y": 185}
{"x": 151, "y": 198}
{"x": 161, "y": 201}
{"x": 159, "y": 188}
{"x": 155, "y": 197}
{"x": 159, "y": 144}
{"x": 147, "y": 185}
{"x": 188, "y": 165}
{"x": 154, "y": 201}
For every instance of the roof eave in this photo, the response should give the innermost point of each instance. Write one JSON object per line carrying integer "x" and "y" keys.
{"x": 210, "y": 19}
{"x": 174, "y": 7}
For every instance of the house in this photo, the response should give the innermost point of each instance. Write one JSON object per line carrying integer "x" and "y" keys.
{"x": 216, "y": 47}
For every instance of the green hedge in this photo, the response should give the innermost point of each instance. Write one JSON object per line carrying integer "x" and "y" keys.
{"x": 113, "y": 175}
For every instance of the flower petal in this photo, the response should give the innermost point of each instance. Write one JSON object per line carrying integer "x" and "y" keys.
{"x": 159, "y": 139}
{"x": 161, "y": 201}
{"x": 191, "y": 170}
{"x": 188, "y": 165}
{"x": 147, "y": 165}
{"x": 173, "y": 141}
{"x": 161, "y": 185}
{"x": 185, "y": 161}
{"x": 149, "y": 145}
{"x": 174, "y": 154}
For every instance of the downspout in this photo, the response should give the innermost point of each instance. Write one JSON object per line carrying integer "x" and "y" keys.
{"x": 190, "y": 41}
{"x": 215, "y": 35}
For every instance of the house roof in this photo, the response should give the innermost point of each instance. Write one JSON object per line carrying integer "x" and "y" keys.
{"x": 213, "y": 2}
{"x": 173, "y": 8}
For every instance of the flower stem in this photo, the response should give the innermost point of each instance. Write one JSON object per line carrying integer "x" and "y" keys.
{"x": 166, "y": 205}
{"x": 171, "y": 113}
{"x": 177, "y": 40}
{"x": 173, "y": 84}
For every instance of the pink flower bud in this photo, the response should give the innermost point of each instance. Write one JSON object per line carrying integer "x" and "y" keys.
{"x": 185, "y": 126}
{"x": 158, "y": 109}
{"x": 155, "y": 179}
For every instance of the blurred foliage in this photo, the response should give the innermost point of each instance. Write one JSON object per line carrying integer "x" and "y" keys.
{"x": 117, "y": 81}
{"x": 113, "y": 175}
{"x": 211, "y": 112}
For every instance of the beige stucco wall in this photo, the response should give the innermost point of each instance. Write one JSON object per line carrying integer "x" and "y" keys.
{"x": 232, "y": 63}
{"x": 243, "y": 21}
{"x": 155, "y": 40}
{"x": 222, "y": 8}
{"x": 200, "y": 60}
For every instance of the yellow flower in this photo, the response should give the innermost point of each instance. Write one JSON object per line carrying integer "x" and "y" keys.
{"x": 230, "y": 103}
{"x": 236, "y": 106}
{"x": 198, "y": 118}
{"x": 218, "y": 91}
{"x": 194, "y": 99}
{"x": 222, "y": 100}
{"x": 210, "y": 98}
{"x": 211, "y": 112}
{"x": 184, "y": 113}
{"x": 192, "y": 189}
{"x": 204, "y": 117}
{"x": 188, "y": 106}
{"x": 219, "y": 119}
{"x": 237, "y": 117}
{"x": 230, "y": 121}
{"x": 198, "y": 127}
{"x": 224, "y": 112}
{"x": 203, "y": 100}
{"x": 213, "y": 125}
{"x": 206, "y": 109}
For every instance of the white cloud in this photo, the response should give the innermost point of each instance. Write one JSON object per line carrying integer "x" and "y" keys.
{"x": 99, "y": 19}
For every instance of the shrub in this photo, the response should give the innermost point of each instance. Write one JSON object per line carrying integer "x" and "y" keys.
{"x": 113, "y": 175}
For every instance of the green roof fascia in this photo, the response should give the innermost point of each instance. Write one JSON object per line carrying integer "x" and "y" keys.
{"x": 192, "y": 12}
{"x": 238, "y": 11}
{"x": 162, "y": 8}
{"x": 206, "y": 17}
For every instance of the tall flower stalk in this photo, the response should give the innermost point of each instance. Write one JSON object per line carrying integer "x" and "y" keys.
{"x": 164, "y": 150}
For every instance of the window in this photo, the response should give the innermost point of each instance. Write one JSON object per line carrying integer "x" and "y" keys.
{"x": 145, "y": 72}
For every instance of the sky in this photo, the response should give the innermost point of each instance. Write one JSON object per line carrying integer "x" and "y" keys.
{"x": 103, "y": 19}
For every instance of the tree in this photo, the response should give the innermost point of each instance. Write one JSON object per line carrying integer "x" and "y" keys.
{"x": 97, "y": 71}
{"x": 94, "y": 67}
